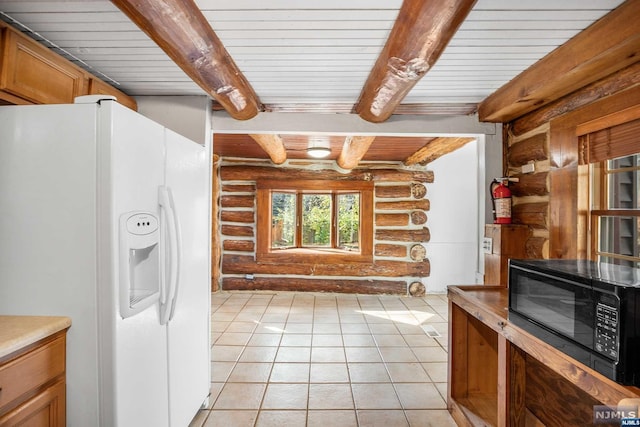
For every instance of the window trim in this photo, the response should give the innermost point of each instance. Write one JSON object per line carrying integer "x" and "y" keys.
{"x": 599, "y": 175}
{"x": 265, "y": 254}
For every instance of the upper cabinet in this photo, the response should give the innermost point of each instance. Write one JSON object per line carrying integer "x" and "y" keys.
{"x": 98, "y": 87}
{"x": 33, "y": 74}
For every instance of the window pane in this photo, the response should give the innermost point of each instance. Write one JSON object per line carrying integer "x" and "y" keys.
{"x": 316, "y": 220}
{"x": 619, "y": 261}
{"x": 619, "y": 235}
{"x": 349, "y": 221}
{"x": 624, "y": 162}
{"x": 623, "y": 184}
{"x": 283, "y": 220}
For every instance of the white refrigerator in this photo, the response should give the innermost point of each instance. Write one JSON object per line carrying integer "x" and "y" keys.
{"x": 105, "y": 218}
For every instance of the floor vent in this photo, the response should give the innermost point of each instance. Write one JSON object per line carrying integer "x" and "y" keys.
{"x": 431, "y": 331}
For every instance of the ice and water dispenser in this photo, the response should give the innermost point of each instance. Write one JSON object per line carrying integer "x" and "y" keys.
{"x": 139, "y": 262}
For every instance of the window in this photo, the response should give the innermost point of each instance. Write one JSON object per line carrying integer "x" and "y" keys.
{"x": 615, "y": 210}
{"x": 315, "y": 221}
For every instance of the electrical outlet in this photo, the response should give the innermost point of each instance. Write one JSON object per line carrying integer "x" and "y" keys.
{"x": 487, "y": 245}
{"x": 528, "y": 168}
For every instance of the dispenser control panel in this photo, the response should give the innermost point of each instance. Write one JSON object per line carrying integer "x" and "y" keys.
{"x": 142, "y": 223}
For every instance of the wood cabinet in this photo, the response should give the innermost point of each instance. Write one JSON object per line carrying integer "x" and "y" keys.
{"x": 508, "y": 241}
{"x": 32, "y": 384}
{"x": 500, "y": 375}
{"x": 33, "y": 72}
{"x": 30, "y": 73}
{"x": 98, "y": 87}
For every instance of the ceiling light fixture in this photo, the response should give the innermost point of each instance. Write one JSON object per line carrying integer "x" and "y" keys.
{"x": 318, "y": 152}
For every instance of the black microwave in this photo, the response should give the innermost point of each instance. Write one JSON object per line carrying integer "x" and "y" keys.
{"x": 588, "y": 310}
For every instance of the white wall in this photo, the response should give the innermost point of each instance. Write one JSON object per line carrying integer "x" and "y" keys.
{"x": 455, "y": 217}
{"x": 190, "y": 116}
{"x": 460, "y": 206}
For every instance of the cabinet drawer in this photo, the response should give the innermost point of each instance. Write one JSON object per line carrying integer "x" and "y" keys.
{"x": 46, "y": 409}
{"x": 33, "y": 72}
{"x": 31, "y": 370}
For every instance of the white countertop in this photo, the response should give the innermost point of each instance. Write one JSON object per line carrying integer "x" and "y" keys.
{"x": 17, "y": 332}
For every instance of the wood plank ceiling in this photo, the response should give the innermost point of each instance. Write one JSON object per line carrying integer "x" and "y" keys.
{"x": 314, "y": 56}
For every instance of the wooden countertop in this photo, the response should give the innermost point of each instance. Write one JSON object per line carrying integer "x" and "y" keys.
{"x": 489, "y": 304}
{"x": 17, "y": 332}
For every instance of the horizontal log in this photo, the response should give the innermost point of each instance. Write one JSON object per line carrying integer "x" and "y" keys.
{"x": 423, "y": 204}
{"x": 420, "y": 235}
{"x": 389, "y": 191}
{"x": 418, "y": 217}
{"x": 534, "y": 247}
{"x": 238, "y": 245}
{"x": 353, "y": 150}
{"x": 533, "y": 184}
{"x": 534, "y": 148}
{"x": 532, "y": 214}
{"x": 418, "y": 253}
{"x": 273, "y": 146}
{"x": 386, "y": 220}
{"x": 418, "y": 191}
{"x": 182, "y": 31}
{"x": 617, "y": 82}
{"x": 237, "y": 201}
{"x": 252, "y": 173}
{"x": 315, "y": 285}
{"x": 608, "y": 45}
{"x": 237, "y": 216}
{"x": 382, "y": 249}
{"x": 419, "y": 36}
{"x": 237, "y": 230}
{"x": 435, "y": 149}
{"x": 417, "y": 289}
{"x": 239, "y": 188}
{"x": 243, "y": 264}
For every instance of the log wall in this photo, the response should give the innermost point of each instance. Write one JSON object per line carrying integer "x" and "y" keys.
{"x": 550, "y": 200}
{"x": 530, "y": 196}
{"x": 400, "y": 229}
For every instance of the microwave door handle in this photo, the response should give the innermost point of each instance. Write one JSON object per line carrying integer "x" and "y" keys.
{"x": 560, "y": 279}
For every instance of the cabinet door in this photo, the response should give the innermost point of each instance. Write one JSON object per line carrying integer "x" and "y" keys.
{"x": 35, "y": 73}
{"x": 98, "y": 87}
{"x": 46, "y": 409}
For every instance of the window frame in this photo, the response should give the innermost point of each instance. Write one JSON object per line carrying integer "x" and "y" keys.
{"x": 599, "y": 207}
{"x": 264, "y": 251}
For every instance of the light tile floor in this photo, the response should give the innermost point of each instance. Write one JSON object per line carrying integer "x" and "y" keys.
{"x": 304, "y": 359}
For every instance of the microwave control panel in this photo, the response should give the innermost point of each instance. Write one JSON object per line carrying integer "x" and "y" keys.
{"x": 607, "y": 330}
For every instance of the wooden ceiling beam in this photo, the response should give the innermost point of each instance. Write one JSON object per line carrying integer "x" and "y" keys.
{"x": 273, "y": 146}
{"x": 610, "y": 44}
{"x": 354, "y": 149}
{"x": 434, "y": 149}
{"x": 180, "y": 29}
{"x": 421, "y": 32}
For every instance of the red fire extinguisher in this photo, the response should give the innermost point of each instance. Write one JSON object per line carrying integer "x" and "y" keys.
{"x": 501, "y": 198}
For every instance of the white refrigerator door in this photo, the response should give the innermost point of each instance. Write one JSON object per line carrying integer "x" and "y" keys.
{"x": 188, "y": 178}
{"x": 133, "y": 349}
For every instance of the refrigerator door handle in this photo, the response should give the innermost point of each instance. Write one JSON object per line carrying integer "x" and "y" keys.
{"x": 171, "y": 286}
